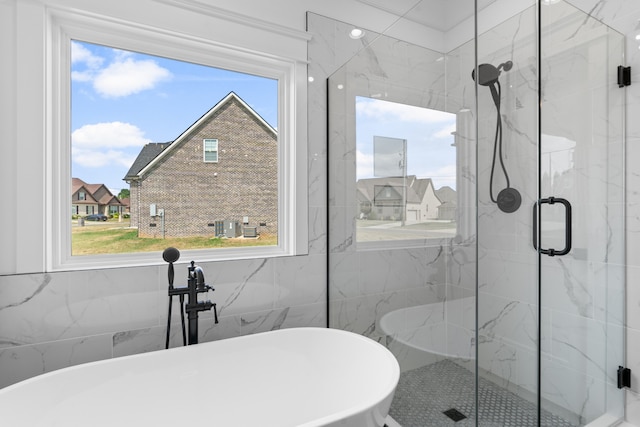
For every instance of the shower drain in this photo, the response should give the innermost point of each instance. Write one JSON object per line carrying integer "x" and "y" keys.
{"x": 454, "y": 414}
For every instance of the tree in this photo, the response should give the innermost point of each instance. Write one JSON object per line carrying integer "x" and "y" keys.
{"x": 123, "y": 194}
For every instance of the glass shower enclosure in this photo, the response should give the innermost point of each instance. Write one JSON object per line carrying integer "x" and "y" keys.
{"x": 475, "y": 157}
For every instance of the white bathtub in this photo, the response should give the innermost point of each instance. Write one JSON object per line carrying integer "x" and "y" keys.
{"x": 291, "y": 377}
{"x": 425, "y": 334}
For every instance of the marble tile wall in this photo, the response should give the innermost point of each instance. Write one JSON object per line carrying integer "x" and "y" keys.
{"x": 50, "y": 321}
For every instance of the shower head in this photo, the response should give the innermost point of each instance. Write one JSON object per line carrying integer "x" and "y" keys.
{"x": 171, "y": 255}
{"x": 488, "y": 74}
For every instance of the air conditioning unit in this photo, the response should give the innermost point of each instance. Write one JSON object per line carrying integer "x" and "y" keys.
{"x": 251, "y": 232}
{"x": 232, "y": 228}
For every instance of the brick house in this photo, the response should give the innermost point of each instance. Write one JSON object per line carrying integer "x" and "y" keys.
{"x": 87, "y": 199}
{"x": 224, "y": 167}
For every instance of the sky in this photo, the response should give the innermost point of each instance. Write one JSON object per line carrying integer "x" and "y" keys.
{"x": 427, "y": 132}
{"x": 122, "y": 100}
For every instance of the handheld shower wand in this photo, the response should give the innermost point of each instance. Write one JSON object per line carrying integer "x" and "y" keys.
{"x": 509, "y": 198}
{"x": 172, "y": 255}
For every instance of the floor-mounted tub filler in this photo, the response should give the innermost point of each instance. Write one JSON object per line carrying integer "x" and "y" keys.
{"x": 291, "y": 377}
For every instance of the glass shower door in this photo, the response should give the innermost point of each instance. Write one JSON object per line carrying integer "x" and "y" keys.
{"x": 550, "y": 255}
{"x": 582, "y": 162}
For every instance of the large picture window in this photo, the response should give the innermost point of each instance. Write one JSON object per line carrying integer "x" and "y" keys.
{"x": 137, "y": 127}
{"x": 142, "y": 125}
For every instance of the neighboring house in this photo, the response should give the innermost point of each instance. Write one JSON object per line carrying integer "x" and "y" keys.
{"x": 224, "y": 167}
{"x": 87, "y": 199}
{"x": 126, "y": 202}
{"x": 449, "y": 206}
{"x": 384, "y": 199}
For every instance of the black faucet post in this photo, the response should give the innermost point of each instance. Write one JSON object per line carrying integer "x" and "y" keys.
{"x": 195, "y": 286}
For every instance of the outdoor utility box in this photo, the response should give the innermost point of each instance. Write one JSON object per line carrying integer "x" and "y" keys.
{"x": 232, "y": 228}
{"x": 219, "y": 228}
{"x": 251, "y": 232}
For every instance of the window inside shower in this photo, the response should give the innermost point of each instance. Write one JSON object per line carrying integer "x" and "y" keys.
{"x": 405, "y": 171}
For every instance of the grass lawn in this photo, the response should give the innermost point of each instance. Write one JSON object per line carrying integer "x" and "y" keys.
{"x": 113, "y": 237}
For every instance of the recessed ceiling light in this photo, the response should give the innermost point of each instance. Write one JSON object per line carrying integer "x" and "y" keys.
{"x": 356, "y": 33}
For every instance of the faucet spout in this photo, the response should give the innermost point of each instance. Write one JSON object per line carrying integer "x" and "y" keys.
{"x": 199, "y": 276}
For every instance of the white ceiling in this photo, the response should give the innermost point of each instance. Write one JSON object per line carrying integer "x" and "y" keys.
{"x": 441, "y": 15}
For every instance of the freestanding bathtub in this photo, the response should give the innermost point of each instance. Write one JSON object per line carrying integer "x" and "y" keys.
{"x": 291, "y": 377}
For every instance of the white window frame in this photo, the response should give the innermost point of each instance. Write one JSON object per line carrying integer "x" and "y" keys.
{"x": 63, "y": 26}
{"x": 205, "y": 151}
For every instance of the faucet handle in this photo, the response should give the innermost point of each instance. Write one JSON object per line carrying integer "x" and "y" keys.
{"x": 215, "y": 313}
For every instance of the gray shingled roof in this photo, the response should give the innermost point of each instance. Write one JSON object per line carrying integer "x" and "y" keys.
{"x": 447, "y": 194}
{"x": 147, "y": 154}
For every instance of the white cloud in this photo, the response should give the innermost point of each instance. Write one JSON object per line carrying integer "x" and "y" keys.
{"x": 101, "y": 136}
{"x": 107, "y": 144}
{"x": 128, "y": 76}
{"x": 80, "y": 54}
{"x": 446, "y": 131}
{"x": 364, "y": 165}
{"x": 391, "y": 111}
{"x": 100, "y": 158}
{"x": 123, "y": 76}
{"x": 82, "y": 76}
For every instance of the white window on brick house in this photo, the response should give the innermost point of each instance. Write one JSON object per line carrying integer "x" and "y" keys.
{"x": 210, "y": 149}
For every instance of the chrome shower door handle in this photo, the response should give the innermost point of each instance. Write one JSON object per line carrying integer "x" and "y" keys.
{"x": 567, "y": 230}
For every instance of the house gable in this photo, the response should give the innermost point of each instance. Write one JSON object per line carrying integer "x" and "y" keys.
{"x": 168, "y": 149}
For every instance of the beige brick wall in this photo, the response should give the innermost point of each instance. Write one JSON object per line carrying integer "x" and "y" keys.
{"x": 193, "y": 196}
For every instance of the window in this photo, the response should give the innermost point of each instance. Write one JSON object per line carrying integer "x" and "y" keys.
{"x": 82, "y": 195}
{"x": 113, "y": 62}
{"x": 210, "y": 150}
{"x": 406, "y": 161}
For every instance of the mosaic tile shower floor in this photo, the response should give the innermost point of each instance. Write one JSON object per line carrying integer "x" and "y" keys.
{"x": 423, "y": 395}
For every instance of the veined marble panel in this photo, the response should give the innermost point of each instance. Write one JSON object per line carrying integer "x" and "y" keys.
{"x": 21, "y": 362}
{"x": 290, "y": 317}
{"x": 242, "y": 286}
{"x": 53, "y": 306}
